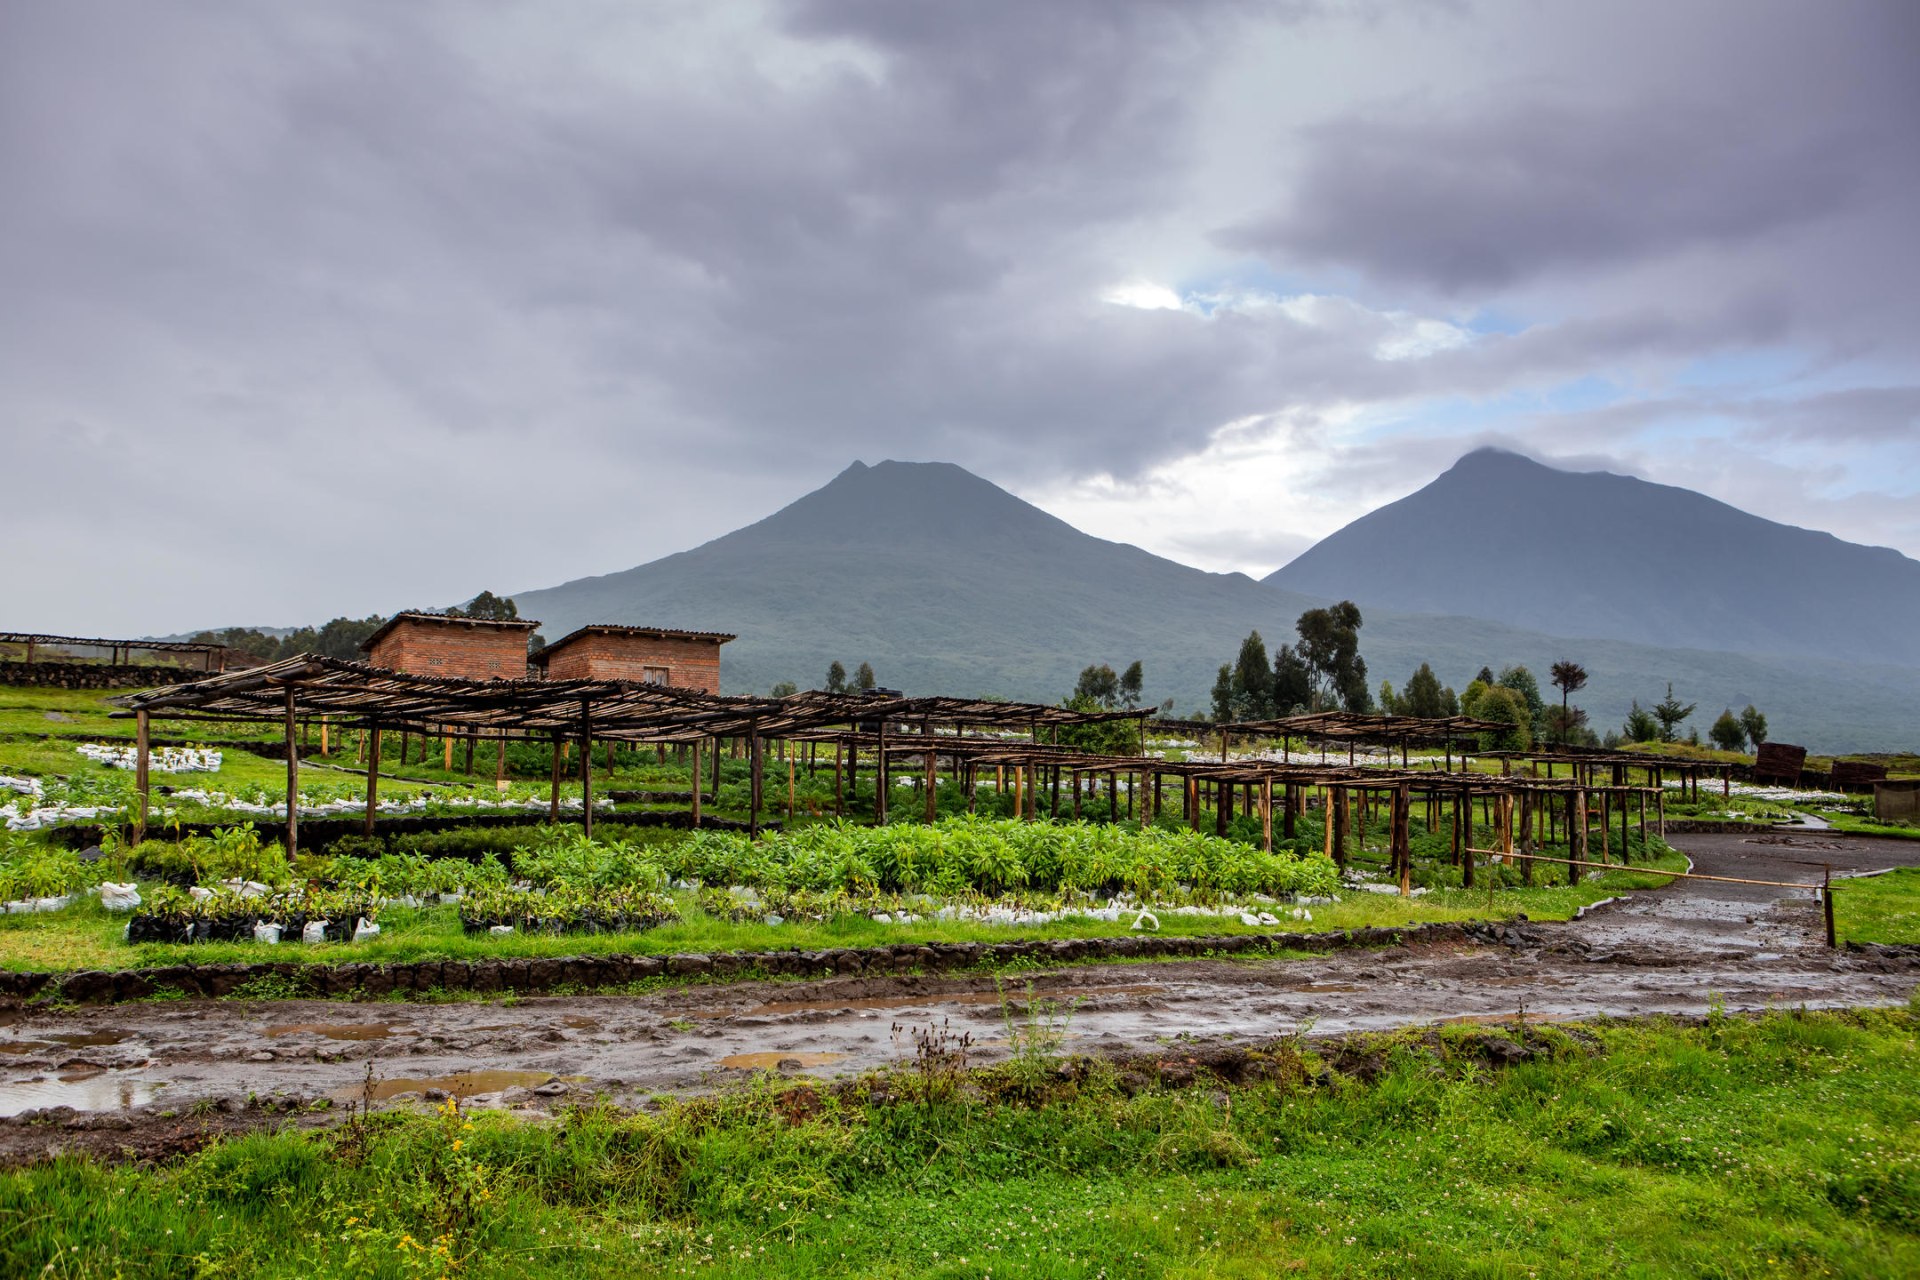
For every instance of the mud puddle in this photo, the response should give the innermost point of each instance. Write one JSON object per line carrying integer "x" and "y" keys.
{"x": 776, "y": 1060}
{"x": 81, "y": 1090}
{"x": 333, "y": 1030}
{"x": 858, "y": 1004}
{"x": 459, "y": 1084}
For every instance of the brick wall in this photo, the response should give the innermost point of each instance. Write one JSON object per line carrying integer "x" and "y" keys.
{"x": 690, "y": 664}
{"x": 472, "y": 653}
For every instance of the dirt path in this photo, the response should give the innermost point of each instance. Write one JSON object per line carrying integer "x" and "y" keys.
{"x": 1672, "y": 950}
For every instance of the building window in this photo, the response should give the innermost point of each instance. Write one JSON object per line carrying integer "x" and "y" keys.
{"x": 654, "y": 675}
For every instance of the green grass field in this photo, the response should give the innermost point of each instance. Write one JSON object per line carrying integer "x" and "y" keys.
{"x": 85, "y": 936}
{"x": 1786, "y": 1145}
{"x": 1879, "y": 908}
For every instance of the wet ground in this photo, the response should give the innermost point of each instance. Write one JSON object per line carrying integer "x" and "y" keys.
{"x": 143, "y": 1068}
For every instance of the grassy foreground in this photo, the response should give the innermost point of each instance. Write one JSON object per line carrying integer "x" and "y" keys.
{"x": 1879, "y": 908}
{"x": 1787, "y": 1145}
{"x": 85, "y": 936}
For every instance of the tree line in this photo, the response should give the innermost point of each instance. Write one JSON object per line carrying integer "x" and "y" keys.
{"x": 1321, "y": 671}
{"x": 342, "y": 637}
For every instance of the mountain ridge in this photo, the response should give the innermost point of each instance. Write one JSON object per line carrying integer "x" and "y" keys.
{"x": 948, "y": 583}
{"x": 1590, "y": 555}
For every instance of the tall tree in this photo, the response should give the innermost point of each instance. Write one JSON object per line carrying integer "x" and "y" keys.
{"x": 1423, "y": 695}
{"x": 1521, "y": 681}
{"x": 784, "y": 689}
{"x": 1132, "y": 681}
{"x": 1640, "y": 725}
{"x": 1506, "y": 706}
{"x": 1755, "y": 724}
{"x": 1671, "y": 713}
{"x": 1330, "y": 646}
{"x": 1292, "y": 682}
{"x": 1098, "y": 686}
{"x": 1223, "y": 694}
{"x": 837, "y": 677}
{"x": 489, "y": 606}
{"x": 1569, "y": 677}
{"x": 1728, "y": 733}
{"x": 1252, "y": 680}
{"x": 863, "y": 678}
{"x": 1389, "y": 701}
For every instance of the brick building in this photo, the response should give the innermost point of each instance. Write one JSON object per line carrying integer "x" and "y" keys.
{"x": 432, "y": 644}
{"x": 647, "y": 655}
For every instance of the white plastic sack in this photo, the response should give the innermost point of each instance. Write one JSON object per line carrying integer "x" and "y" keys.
{"x": 315, "y": 931}
{"x": 1247, "y": 917}
{"x": 500, "y": 930}
{"x": 1147, "y": 920}
{"x": 267, "y": 933}
{"x": 52, "y": 904}
{"x": 248, "y": 888}
{"x": 199, "y": 894}
{"x": 365, "y": 930}
{"x": 119, "y": 897}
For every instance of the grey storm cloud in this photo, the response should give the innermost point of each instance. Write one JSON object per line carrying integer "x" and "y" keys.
{"x": 425, "y": 284}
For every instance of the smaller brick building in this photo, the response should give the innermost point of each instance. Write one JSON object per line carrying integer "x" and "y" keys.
{"x": 646, "y": 655}
{"x": 432, "y": 644}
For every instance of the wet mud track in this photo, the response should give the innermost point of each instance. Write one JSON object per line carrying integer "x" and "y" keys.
{"x": 1674, "y": 950}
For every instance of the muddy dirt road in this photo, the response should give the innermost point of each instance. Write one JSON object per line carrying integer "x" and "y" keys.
{"x": 1672, "y": 950}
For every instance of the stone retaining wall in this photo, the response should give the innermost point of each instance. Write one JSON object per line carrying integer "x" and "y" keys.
{"x": 93, "y": 675}
{"x": 584, "y": 973}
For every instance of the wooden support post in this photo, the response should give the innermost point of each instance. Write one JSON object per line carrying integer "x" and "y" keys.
{"x": 446, "y": 748}
{"x": 500, "y": 761}
{"x": 714, "y": 790}
{"x": 1460, "y": 824}
{"x": 755, "y": 750}
{"x": 1266, "y": 814}
{"x": 693, "y": 776}
{"x": 293, "y": 781}
{"x": 553, "y": 793}
{"x": 140, "y": 759}
{"x": 325, "y": 747}
{"x": 789, "y": 787}
{"x": 880, "y": 777}
{"x": 1076, "y": 795}
{"x": 1341, "y": 820}
{"x": 1463, "y": 838}
{"x": 1577, "y": 835}
{"x": 1660, "y": 801}
{"x": 1402, "y": 838}
{"x": 1826, "y": 906}
{"x": 1526, "y": 837}
{"x": 406, "y": 742}
{"x": 471, "y": 737}
{"x": 1290, "y": 810}
{"x": 839, "y": 794}
{"x": 372, "y": 743}
{"x": 586, "y": 766}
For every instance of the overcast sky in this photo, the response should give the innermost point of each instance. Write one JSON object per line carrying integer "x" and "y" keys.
{"x": 340, "y": 308}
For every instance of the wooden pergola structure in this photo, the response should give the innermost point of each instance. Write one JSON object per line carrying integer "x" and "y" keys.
{"x": 968, "y": 736}
{"x": 356, "y": 695}
{"x": 1355, "y": 728}
{"x": 213, "y": 657}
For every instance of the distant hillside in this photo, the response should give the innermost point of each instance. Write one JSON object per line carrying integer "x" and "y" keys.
{"x": 1593, "y": 554}
{"x": 949, "y": 584}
